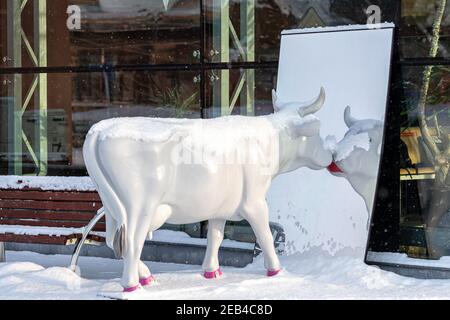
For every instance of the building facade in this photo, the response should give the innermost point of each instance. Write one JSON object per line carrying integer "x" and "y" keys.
{"x": 66, "y": 64}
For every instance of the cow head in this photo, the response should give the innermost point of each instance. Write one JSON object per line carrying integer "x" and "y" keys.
{"x": 358, "y": 153}
{"x": 301, "y": 144}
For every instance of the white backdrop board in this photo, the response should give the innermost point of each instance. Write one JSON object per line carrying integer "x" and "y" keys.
{"x": 353, "y": 65}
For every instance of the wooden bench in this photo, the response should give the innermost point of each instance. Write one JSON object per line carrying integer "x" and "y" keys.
{"x": 30, "y": 214}
{"x": 32, "y": 211}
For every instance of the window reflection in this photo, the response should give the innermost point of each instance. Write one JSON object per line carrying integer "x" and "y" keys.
{"x": 111, "y": 32}
{"x": 424, "y": 156}
{"x": 237, "y": 90}
{"x": 273, "y": 16}
{"x": 418, "y": 17}
{"x": 76, "y": 101}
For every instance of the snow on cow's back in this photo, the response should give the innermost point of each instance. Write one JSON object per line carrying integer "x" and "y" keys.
{"x": 209, "y": 131}
{"x": 137, "y": 128}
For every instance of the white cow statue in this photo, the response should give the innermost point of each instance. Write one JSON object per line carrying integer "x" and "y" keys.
{"x": 356, "y": 157}
{"x": 151, "y": 171}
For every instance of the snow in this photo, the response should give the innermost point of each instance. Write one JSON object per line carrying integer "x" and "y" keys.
{"x": 350, "y": 27}
{"x": 34, "y": 231}
{"x": 137, "y": 128}
{"x": 311, "y": 275}
{"x": 345, "y": 147}
{"x": 47, "y": 183}
{"x": 161, "y": 129}
{"x": 356, "y": 137}
{"x": 403, "y": 259}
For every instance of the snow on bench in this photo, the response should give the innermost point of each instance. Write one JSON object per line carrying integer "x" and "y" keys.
{"x": 36, "y": 230}
{"x": 47, "y": 183}
{"x": 43, "y": 209}
{"x": 47, "y": 210}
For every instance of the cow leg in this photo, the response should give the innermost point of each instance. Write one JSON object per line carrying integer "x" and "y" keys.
{"x": 210, "y": 264}
{"x": 145, "y": 276}
{"x": 135, "y": 238}
{"x": 257, "y": 214}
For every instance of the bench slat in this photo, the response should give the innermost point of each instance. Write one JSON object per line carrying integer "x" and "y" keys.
{"x": 44, "y": 239}
{"x": 51, "y": 205}
{"x": 49, "y": 223}
{"x": 47, "y": 215}
{"x": 39, "y": 239}
{"x": 31, "y": 207}
{"x": 49, "y": 195}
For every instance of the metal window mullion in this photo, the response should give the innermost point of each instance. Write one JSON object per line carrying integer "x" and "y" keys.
{"x": 29, "y": 94}
{"x": 248, "y": 42}
{"x": 237, "y": 92}
{"x": 221, "y": 40}
{"x": 28, "y": 47}
{"x": 40, "y": 41}
{"x": 23, "y": 4}
{"x": 237, "y": 42}
{"x": 14, "y": 21}
{"x": 30, "y": 148}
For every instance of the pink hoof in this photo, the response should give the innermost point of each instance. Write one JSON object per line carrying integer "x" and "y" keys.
{"x": 147, "y": 281}
{"x": 271, "y": 273}
{"x": 131, "y": 289}
{"x": 213, "y": 274}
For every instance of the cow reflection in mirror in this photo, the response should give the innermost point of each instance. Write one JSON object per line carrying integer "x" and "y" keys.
{"x": 356, "y": 157}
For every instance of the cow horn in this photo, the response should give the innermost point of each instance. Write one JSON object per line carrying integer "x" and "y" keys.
{"x": 348, "y": 118}
{"x": 315, "y": 106}
{"x": 276, "y": 107}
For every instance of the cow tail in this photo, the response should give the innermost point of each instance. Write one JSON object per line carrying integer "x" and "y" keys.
{"x": 111, "y": 201}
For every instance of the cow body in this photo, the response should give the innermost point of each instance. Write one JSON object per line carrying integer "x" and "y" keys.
{"x": 151, "y": 171}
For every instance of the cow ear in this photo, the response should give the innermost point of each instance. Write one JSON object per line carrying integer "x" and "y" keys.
{"x": 298, "y": 128}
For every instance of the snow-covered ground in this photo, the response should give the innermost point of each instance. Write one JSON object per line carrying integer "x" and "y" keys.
{"x": 311, "y": 275}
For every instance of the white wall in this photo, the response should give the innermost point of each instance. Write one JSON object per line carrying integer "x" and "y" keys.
{"x": 315, "y": 208}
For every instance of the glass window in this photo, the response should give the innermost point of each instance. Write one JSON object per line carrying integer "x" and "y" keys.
{"x": 412, "y": 211}
{"x": 240, "y": 91}
{"x": 100, "y": 32}
{"x": 424, "y": 172}
{"x": 418, "y": 21}
{"x": 75, "y": 101}
{"x": 261, "y": 32}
